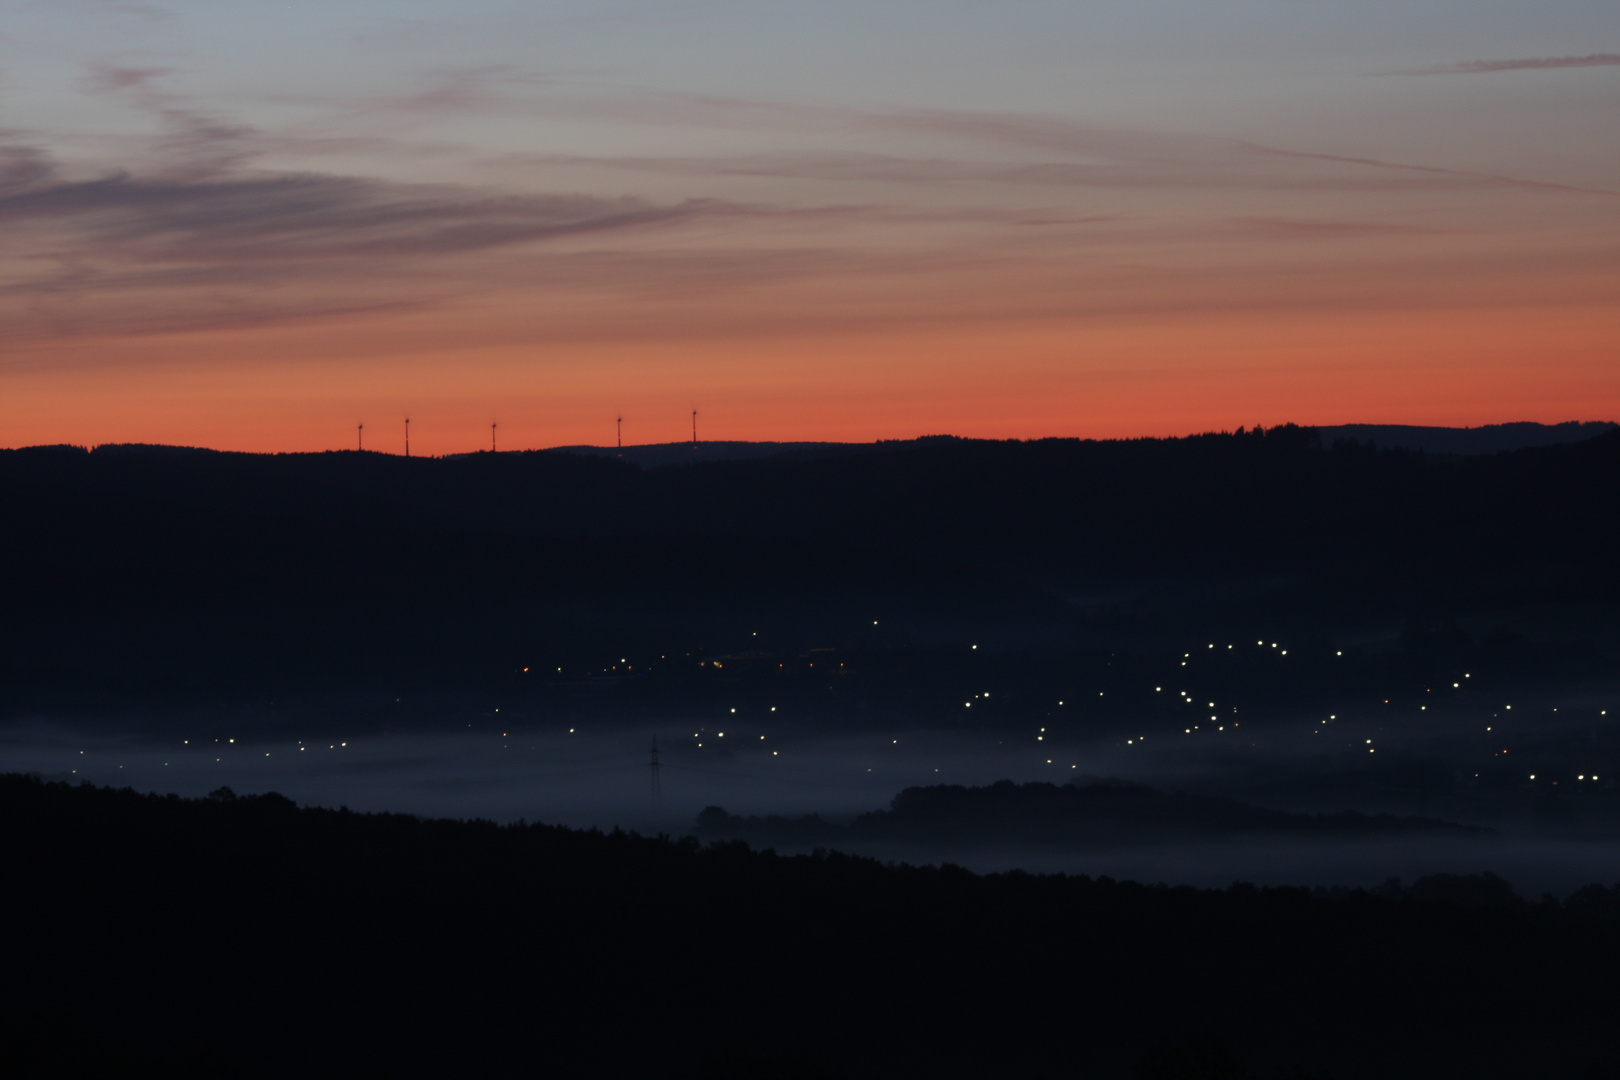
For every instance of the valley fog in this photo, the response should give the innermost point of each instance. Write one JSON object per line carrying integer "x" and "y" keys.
{"x": 1546, "y": 836}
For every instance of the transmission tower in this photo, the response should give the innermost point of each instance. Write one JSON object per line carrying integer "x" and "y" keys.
{"x": 652, "y": 767}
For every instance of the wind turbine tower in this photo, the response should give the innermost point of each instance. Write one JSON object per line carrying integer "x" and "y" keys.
{"x": 362, "y": 436}
{"x": 407, "y": 436}
{"x": 694, "y": 429}
{"x": 492, "y": 438}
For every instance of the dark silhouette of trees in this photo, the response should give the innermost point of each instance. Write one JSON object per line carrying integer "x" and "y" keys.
{"x": 289, "y": 941}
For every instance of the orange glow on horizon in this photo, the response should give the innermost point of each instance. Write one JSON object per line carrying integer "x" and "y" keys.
{"x": 1117, "y": 379}
{"x": 1037, "y": 220}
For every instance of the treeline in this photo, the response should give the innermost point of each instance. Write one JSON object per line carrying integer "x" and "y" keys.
{"x": 1082, "y": 816}
{"x": 247, "y": 936}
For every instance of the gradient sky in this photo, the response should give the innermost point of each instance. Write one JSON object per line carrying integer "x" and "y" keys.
{"x": 253, "y": 226}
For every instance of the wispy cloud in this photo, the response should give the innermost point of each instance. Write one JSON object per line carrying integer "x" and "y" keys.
{"x": 268, "y": 218}
{"x": 1470, "y": 176}
{"x": 300, "y": 217}
{"x": 948, "y": 145}
{"x": 1009, "y": 148}
{"x": 1231, "y": 165}
{"x": 1533, "y": 63}
{"x": 130, "y": 253}
{"x": 461, "y": 90}
{"x": 257, "y": 249}
{"x": 22, "y": 166}
{"x": 1317, "y": 229}
{"x": 507, "y": 90}
{"x": 194, "y": 140}
{"x": 194, "y": 231}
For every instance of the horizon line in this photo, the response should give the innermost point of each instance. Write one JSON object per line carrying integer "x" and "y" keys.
{"x": 688, "y": 443}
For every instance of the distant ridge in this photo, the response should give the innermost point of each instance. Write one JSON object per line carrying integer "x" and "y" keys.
{"x": 172, "y": 573}
{"x": 1085, "y": 815}
{"x": 653, "y": 455}
{"x": 1462, "y": 442}
{"x": 1466, "y": 441}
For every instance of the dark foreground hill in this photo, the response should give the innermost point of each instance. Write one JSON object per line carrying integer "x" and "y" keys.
{"x": 1073, "y": 816}
{"x": 151, "y": 935}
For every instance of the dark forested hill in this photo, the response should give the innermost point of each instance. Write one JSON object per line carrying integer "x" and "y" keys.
{"x": 212, "y": 573}
{"x": 1485, "y": 439}
{"x": 1213, "y": 502}
{"x": 245, "y": 936}
{"x": 1071, "y": 816}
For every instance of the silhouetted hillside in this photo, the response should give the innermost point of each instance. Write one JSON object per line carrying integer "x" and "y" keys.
{"x": 657, "y": 455}
{"x": 245, "y": 936}
{"x": 125, "y": 599}
{"x": 1083, "y": 816}
{"x": 1486, "y": 439}
{"x": 1257, "y": 501}
{"x": 160, "y": 571}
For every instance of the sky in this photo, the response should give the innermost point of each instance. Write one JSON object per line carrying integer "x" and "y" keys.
{"x": 258, "y": 226}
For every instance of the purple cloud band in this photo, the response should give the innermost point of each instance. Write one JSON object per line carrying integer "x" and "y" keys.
{"x": 1534, "y": 63}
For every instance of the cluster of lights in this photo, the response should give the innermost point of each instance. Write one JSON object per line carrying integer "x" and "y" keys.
{"x": 1184, "y": 695}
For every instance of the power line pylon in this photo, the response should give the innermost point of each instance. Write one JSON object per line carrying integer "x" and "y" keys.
{"x": 652, "y": 767}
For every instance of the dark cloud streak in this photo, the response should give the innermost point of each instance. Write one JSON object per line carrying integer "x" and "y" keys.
{"x": 1535, "y": 63}
{"x": 1491, "y": 179}
{"x": 1316, "y": 230}
{"x": 196, "y": 142}
{"x": 1228, "y": 171}
{"x": 302, "y": 216}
